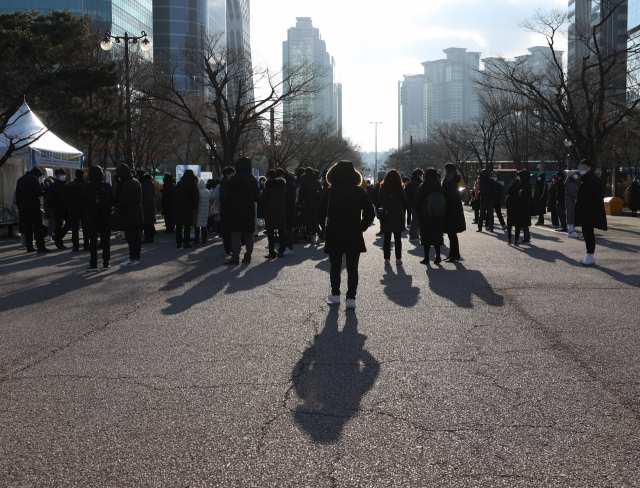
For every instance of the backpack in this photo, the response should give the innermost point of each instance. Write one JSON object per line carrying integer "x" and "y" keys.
{"x": 99, "y": 207}
{"x": 434, "y": 205}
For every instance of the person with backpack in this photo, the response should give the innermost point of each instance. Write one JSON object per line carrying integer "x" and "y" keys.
{"x": 454, "y": 221}
{"x": 393, "y": 200}
{"x": 77, "y": 211}
{"x": 129, "y": 205}
{"x": 431, "y": 205}
{"x": 514, "y": 207}
{"x": 98, "y": 200}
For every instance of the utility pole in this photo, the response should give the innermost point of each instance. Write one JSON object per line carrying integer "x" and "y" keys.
{"x": 375, "y": 171}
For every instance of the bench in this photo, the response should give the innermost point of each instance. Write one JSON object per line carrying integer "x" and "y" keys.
{"x": 6, "y": 220}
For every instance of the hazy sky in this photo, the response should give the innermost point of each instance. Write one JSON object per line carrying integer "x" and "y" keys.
{"x": 375, "y": 42}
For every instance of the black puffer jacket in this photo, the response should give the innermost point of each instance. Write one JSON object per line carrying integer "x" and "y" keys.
{"x": 485, "y": 188}
{"x": 350, "y": 215}
{"x": 73, "y": 193}
{"x": 527, "y": 197}
{"x": 148, "y": 200}
{"x": 186, "y": 199}
{"x": 590, "y": 203}
{"x": 28, "y": 192}
{"x": 431, "y": 228}
{"x": 454, "y": 221}
{"x": 393, "y": 204}
{"x": 514, "y": 204}
{"x": 92, "y": 189}
{"x": 129, "y": 199}
{"x": 57, "y": 196}
{"x": 309, "y": 196}
{"x": 241, "y": 194}
{"x": 496, "y": 189}
{"x": 272, "y": 204}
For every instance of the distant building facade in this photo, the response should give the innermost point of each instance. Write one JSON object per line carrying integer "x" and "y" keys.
{"x": 410, "y": 110}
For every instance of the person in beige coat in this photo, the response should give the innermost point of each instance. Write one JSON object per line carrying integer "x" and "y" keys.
{"x": 201, "y": 214}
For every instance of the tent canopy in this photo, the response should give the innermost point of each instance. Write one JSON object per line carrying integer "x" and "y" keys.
{"x": 39, "y": 146}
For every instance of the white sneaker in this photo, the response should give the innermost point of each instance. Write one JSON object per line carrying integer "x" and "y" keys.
{"x": 314, "y": 239}
{"x": 351, "y": 303}
{"x": 48, "y": 238}
{"x": 130, "y": 262}
{"x": 287, "y": 252}
{"x": 573, "y": 235}
{"x": 588, "y": 261}
{"x": 333, "y": 299}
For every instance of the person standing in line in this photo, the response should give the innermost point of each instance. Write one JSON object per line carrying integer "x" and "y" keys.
{"x": 560, "y": 205}
{"x": 527, "y": 203}
{"x": 290, "y": 208}
{"x": 28, "y": 193}
{"x": 185, "y": 202}
{"x": 201, "y": 214}
{"x": 376, "y": 199}
{"x": 590, "y": 213}
{"x": 166, "y": 202}
{"x": 410, "y": 190}
{"x": 431, "y": 221}
{"x": 59, "y": 203}
{"x": 540, "y": 198}
{"x": 98, "y": 200}
{"x": 272, "y": 206}
{"x": 553, "y": 200}
{"x": 148, "y": 207}
{"x": 454, "y": 221}
{"x": 345, "y": 212}
{"x": 475, "y": 202}
{"x": 77, "y": 211}
{"x": 485, "y": 192}
{"x": 47, "y": 183}
{"x": 514, "y": 210}
{"x": 223, "y": 198}
{"x": 406, "y": 181}
{"x": 393, "y": 200}
{"x": 570, "y": 195}
{"x": 634, "y": 196}
{"x": 497, "y": 199}
{"x": 130, "y": 213}
{"x": 309, "y": 197}
{"x": 240, "y": 198}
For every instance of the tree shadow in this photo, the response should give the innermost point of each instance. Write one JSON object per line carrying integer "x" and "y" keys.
{"x": 331, "y": 378}
{"x": 459, "y": 286}
{"x": 398, "y": 287}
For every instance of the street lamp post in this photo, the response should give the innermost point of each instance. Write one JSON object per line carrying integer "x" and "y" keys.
{"x": 145, "y": 45}
{"x": 375, "y": 171}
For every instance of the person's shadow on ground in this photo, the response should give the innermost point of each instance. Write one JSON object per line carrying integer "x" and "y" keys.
{"x": 331, "y": 378}
{"x": 461, "y": 284}
{"x": 398, "y": 287}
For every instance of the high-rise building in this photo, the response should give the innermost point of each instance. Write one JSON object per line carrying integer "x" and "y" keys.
{"x": 132, "y": 16}
{"x": 448, "y": 90}
{"x": 304, "y": 47}
{"x": 239, "y": 38}
{"x": 633, "y": 60}
{"x": 410, "y": 110}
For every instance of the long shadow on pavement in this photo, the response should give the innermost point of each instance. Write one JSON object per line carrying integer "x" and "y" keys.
{"x": 461, "y": 284}
{"x": 332, "y": 377}
{"x": 398, "y": 287}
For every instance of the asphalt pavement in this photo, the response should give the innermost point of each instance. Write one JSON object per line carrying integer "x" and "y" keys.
{"x": 513, "y": 367}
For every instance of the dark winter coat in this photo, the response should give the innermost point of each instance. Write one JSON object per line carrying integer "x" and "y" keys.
{"x": 496, "y": 189}
{"x": 454, "y": 221}
{"x": 350, "y": 214}
{"x": 560, "y": 196}
{"x": 431, "y": 228}
{"x": 290, "y": 206}
{"x": 272, "y": 204}
{"x": 376, "y": 196}
{"x": 28, "y": 192}
{"x": 553, "y": 198}
{"x": 393, "y": 206}
{"x": 634, "y": 196}
{"x": 540, "y": 195}
{"x": 73, "y": 194}
{"x": 590, "y": 203}
{"x": 527, "y": 197}
{"x": 240, "y": 197}
{"x": 309, "y": 196}
{"x": 186, "y": 199}
{"x": 129, "y": 199}
{"x": 168, "y": 192}
{"x": 148, "y": 200}
{"x": 411, "y": 189}
{"x": 92, "y": 188}
{"x": 513, "y": 204}
{"x": 57, "y": 196}
{"x": 485, "y": 189}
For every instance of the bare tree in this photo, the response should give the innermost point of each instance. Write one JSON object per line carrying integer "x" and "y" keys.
{"x": 453, "y": 143}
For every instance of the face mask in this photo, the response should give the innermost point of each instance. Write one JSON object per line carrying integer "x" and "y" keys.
{"x": 494, "y": 179}
{"x": 62, "y": 178}
{"x": 583, "y": 172}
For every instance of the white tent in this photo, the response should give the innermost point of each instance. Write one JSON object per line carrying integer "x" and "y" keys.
{"x": 39, "y": 146}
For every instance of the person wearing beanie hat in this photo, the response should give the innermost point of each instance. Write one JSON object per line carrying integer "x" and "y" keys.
{"x": 28, "y": 193}
{"x": 77, "y": 211}
{"x": 166, "y": 202}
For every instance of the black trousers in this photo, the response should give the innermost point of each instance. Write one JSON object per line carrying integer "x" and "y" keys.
{"x": 62, "y": 225}
{"x": 282, "y": 240}
{"x": 498, "y": 208}
{"x": 183, "y": 234}
{"x": 30, "y": 219}
{"x": 589, "y": 238}
{"x": 386, "y": 245}
{"x": 132, "y": 235}
{"x": 554, "y": 216}
{"x": 102, "y": 229}
{"x": 200, "y": 232}
{"x": 352, "y": 273}
{"x": 168, "y": 219}
{"x": 562, "y": 214}
{"x": 148, "y": 229}
{"x": 454, "y": 245}
{"x": 517, "y": 232}
{"x": 76, "y": 220}
{"x": 486, "y": 213}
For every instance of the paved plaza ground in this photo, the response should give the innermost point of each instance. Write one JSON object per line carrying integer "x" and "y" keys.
{"x": 513, "y": 367}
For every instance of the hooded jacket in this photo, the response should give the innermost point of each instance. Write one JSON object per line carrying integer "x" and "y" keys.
{"x": 94, "y": 187}
{"x": 129, "y": 199}
{"x": 272, "y": 204}
{"x": 148, "y": 199}
{"x": 240, "y": 196}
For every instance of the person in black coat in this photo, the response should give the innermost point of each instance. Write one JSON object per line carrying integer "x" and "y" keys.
{"x": 98, "y": 201}
{"x": 540, "y": 198}
{"x": 376, "y": 198}
{"x": 590, "y": 213}
{"x": 634, "y": 196}
{"x": 514, "y": 208}
{"x": 553, "y": 199}
{"x": 411, "y": 189}
{"x": 393, "y": 200}
{"x": 454, "y": 221}
{"x": 348, "y": 210}
{"x": 527, "y": 203}
{"x": 240, "y": 198}
{"x": 148, "y": 207}
{"x": 166, "y": 202}
{"x": 560, "y": 204}
{"x": 272, "y": 206}
{"x": 225, "y": 211}
{"x": 77, "y": 211}
{"x": 431, "y": 226}
{"x": 485, "y": 198}
{"x": 60, "y": 205}
{"x": 28, "y": 193}
{"x": 309, "y": 196}
{"x": 290, "y": 207}
{"x": 496, "y": 186}
{"x": 186, "y": 199}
